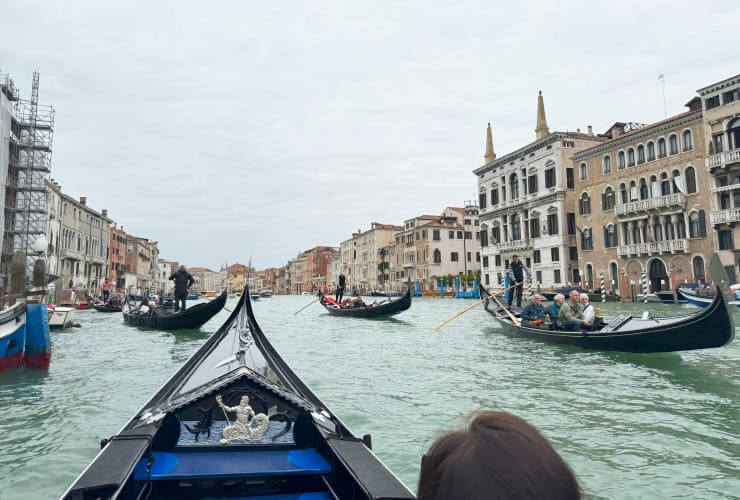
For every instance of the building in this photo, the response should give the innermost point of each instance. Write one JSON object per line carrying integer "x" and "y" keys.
{"x": 308, "y": 271}
{"x": 142, "y": 271}
{"x": 360, "y": 257}
{"x": 237, "y": 276}
{"x": 642, "y": 196}
{"x": 205, "y": 279}
{"x": 721, "y": 106}
{"x": 527, "y": 205}
{"x": 117, "y": 257}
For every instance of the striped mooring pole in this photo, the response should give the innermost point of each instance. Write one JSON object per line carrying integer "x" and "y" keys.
{"x": 529, "y": 285}
{"x": 644, "y": 287}
{"x": 603, "y": 290}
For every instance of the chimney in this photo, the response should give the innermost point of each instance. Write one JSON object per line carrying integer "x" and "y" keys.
{"x": 590, "y": 130}
{"x": 578, "y": 130}
{"x": 83, "y": 200}
{"x": 104, "y": 212}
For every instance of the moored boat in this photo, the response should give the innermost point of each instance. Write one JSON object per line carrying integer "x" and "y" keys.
{"x": 700, "y": 300}
{"x": 389, "y": 293}
{"x": 165, "y": 318}
{"x": 236, "y": 422}
{"x": 12, "y": 335}
{"x": 709, "y": 327}
{"x": 266, "y": 294}
{"x": 60, "y": 316}
{"x": 377, "y": 310}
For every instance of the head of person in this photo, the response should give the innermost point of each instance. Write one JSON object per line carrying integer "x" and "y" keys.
{"x": 559, "y": 299}
{"x": 514, "y": 258}
{"x": 574, "y": 296}
{"x": 584, "y": 298}
{"x": 496, "y": 455}
{"x": 182, "y": 268}
{"x": 537, "y": 299}
{"x": 145, "y": 302}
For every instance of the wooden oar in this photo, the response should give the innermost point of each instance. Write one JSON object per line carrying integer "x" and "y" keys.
{"x": 511, "y": 316}
{"x": 302, "y": 308}
{"x": 436, "y": 328}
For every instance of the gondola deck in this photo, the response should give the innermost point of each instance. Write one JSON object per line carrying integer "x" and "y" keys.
{"x": 166, "y": 319}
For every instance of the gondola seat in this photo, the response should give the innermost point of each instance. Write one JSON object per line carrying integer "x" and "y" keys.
{"x": 317, "y": 495}
{"x": 225, "y": 464}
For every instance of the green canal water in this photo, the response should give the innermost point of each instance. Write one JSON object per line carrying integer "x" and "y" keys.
{"x": 630, "y": 425}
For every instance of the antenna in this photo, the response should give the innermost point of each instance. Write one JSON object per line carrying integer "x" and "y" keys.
{"x": 661, "y": 77}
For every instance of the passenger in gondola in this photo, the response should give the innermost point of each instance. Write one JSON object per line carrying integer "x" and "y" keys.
{"x": 553, "y": 311}
{"x": 534, "y": 313}
{"x": 144, "y": 308}
{"x": 497, "y": 455}
{"x": 589, "y": 313}
{"x": 571, "y": 314}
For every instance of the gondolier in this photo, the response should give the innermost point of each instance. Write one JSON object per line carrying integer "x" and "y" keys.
{"x": 516, "y": 274}
{"x": 340, "y": 288}
{"x": 183, "y": 280}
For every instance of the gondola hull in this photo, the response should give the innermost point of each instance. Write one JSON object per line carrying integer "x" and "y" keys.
{"x": 107, "y": 309}
{"x": 710, "y": 327}
{"x": 379, "y": 311}
{"x": 236, "y": 422}
{"x": 190, "y": 318}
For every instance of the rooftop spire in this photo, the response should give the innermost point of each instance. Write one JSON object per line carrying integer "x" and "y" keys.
{"x": 490, "y": 155}
{"x": 542, "y": 130}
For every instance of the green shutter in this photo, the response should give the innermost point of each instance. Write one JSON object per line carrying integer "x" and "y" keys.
{"x": 702, "y": 224}
{"x": 603, "y": 201}
{"x": 606, "y": 238}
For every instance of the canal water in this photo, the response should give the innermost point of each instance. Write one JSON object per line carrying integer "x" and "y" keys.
{"x": 630, "y": 425}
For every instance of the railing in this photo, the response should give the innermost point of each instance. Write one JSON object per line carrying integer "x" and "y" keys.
{"x": 657, "y": 247}
{"x": 729, "y": 187}
{"x": 723, "y": 159}
{"x": 675, "y": 199}
{"x": 725, "y": 216}
{"x": 68, "y": 252}
{"x": 507, "y": 246}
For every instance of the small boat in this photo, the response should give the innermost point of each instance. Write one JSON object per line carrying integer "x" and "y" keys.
{"x": 12, "y": 335}
{"x": 700, "y": 300}
{"x": 266, "y": 294}
{"x": 382, "y": 309}
{"x": 666, "y": 297}
{"x": 60, "y": 316}
{"x": 165, "y": 318}
{"x": 108, "y": 308}
{"x": 380, "y": 293}
{"x": 709, "y": 327}
{"x": 235, "y": 421}
{"x": 255, "y": 296}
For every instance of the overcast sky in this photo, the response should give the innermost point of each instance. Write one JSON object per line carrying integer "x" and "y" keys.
{"x": 230, "y": 130}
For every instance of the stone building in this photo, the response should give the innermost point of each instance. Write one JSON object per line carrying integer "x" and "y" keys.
{"x": 527, "y": 205}
{"x": 142, "y": 270}
{"x": 721, "y": 105}
{"x": 360, "y": 256}
{"x": 206, "y": 280}
{"x": 117, "y": 256}
{"x": 309, "y": 270}
{"x": 642, "y": 197}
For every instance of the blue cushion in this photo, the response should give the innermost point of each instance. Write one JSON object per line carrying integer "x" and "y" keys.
{"x": 292, "y": 496}
{"x": 216, "y": 464}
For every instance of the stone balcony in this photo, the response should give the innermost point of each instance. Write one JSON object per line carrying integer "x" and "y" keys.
{"x": 511, "y": 246}
{"x": 724, "y": 216}
{"x": 655, "y": 248}
{"x": 670, "y": 200}
{"x": 68, "y": 253}
{"x": 721, "y": 160}
{"x": 722, "y": 189}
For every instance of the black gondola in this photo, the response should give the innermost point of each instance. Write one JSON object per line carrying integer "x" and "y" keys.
{"x": 105, "y": 308}
{"x": 236, "y": 422}
{"x": 387, "y": 308}
{"x": 710, "y": 327}
{"x": 379, "y": 293}
{"x": 165, "y": 318}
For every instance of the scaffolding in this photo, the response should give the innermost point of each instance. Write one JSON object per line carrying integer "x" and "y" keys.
{"x": 26, "y": 191}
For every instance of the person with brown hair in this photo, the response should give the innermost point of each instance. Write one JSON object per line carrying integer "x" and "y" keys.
{"x": 496, "y": 456}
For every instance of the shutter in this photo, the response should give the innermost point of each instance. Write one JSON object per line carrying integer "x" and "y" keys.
{"x": 603, "y": 201}
{"x": 583, "y": 242}
{"x": 606, "y": 238}
{"x": 702, "y": 225}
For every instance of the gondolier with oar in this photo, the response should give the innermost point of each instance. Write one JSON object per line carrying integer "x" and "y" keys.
{"x": 516, "y": 274}
{"x": 183, "y": 280}
{"x": 340, "y": 287}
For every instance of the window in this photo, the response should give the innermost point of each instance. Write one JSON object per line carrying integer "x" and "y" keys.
{"x": 484, "y": 237}
{"x": 690, "y": 180}
{"x": 470, "y": 257}
{"x": 569, "y": 182}
{"x": 688, "y": 144}
{"x": 555, "y": 254}
{"x": 468, "y": 235}
{"x": 698, "y": 266}
{"x": 477, "y": 256}
{"x": 610, "y": 236}
{"x": 556, "y": 276}
{"x": 550, "y": 177}
{"x": 494, "y": 197}
{"x": 584, "y": 206}
{"x": 552, "y": 224}
{"x": 451, "y": 235}
{"x": 621, "y": 163}
{"x": 514, "y": 187}
{"x": 623, "y": 194}
{"x": 466, "y": 222}
{"x": 534, "y": 227}
{"x": 614, "y": 275}
{"x": 538, "y": 276}
{"x": 640, "y": 154}
{"x": 532, "y": 183}
{"x": 731, "y": 96}
{"x": 459, "y": 235}
{"x": 482, "y": 200}
{"x": 718, "y": 141}
{"x": 607, "y": 163}
{"x": 536, "y": 257}
{"x": 651, "y": 151}
{"x": 712, "y": 102}
{"x": 697, "y": 225}
{"x": 607, "y": 199}
{"x": 497, "y": 260}
{"x": 725, "y": 239}
{"x": 583, "y": 171}
{"x": 437, "y": 256}
{"x": 673, "y": 144}
{"x": 644, "y": 193}
{"x": 665, "y": 184}
{"x": 516, "y": 227}
{"x": 503, "y": 193}
{"x": 435, "y": 235}
{"x": 495, "y": 235}
{"x": 485, "y": 261}
{"x": 573, "y": 253}
{"x": 571, "y": 223}
{"x": 454, "y": 257}
{"x": 630, "y": 157}
{"x": 587, "y": 242}
{"x": 661, "y": 148}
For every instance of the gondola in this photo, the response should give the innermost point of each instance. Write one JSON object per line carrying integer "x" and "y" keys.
{"x": 386, "y": 308}
{"x": 236, "y": 422}
{"x": 380, "y": 293}
{"x": 709, "y": 327}
{"x": 700, "y": 300}
{"x": 104, "y": 308}
{"x": 165, "y": 318}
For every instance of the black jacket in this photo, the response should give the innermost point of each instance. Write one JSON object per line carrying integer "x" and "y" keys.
{"x": 183, "y": 281}
{"x": 342, "y": 280}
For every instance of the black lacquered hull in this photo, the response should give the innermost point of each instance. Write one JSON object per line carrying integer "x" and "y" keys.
{"x": 710, "y": 327}
{"x": 190, "y": 318}
{"x": 381, "y": 311}
{"x": 107, "y": 309}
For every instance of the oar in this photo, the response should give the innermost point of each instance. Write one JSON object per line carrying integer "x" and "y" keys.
{"x": 436, "y": 328}
{"x": 210, "y": 299}
{"x": 511, "y": 316}
{"x": 302, "y": 308}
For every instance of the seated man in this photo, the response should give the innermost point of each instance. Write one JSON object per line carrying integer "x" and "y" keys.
{"x": 589, "y": 313}
{"x": 144, "y": 308}
{"x": 534, "y": 313}
{"x": 571, "y": 314}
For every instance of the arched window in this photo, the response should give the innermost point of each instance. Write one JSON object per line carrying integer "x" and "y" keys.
{"x": 644, "y": 193}
{"x": 630, "y": 157}
{"x": 640, "y": 154}
{"x": 657, "y": 229}
{"x": 516, "y": 227}
{"x": 610, "y": 236}
{"x": 584, "y": 171}
{"x": 514, "y": 186}
{"x": 688, "y": 144}
{"x": 733, "y": 133}
{"x": 623, "y": 193}
{"x": 437, "y": 256}
{"x": 651, "y": 151}
{"x": 690, "y": 179}
{"x": 694, "y": 225}
{"x": 678, "y": 185}
{"x": 614, "y": 275}
{"x": 607, "y": 165}
{"x": 620, "y": 160}
{"x": 607, "y": 202}
{"x": 634, "y": 194}
{"x": 673, "y": 144}
{"x": 636, "y": 234}
{"x": 698, "y": 265}
{"x": 680, "y": 228}
{"x": 654, "y": 187}
{"x": 589, "y": 277}
{"x": 661, "y": 148}
{"x": 665, "y": 184}
{"x": 670, "y": 232}
{"x": 587, "y": 241}
{"x": 585, "y": 204}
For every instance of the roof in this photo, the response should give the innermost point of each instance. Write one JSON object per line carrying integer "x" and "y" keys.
{"x": 200, "y": 270}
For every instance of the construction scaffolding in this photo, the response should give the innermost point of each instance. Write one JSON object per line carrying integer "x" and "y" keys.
{"x": 29, "y": 165}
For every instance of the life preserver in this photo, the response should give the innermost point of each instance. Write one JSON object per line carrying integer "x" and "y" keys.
{"x": 50, "y": 307}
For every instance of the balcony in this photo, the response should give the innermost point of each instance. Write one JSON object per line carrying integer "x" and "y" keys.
{"x": 658, "y": 247}
{"x": 510, "y": 246}
{"x": 722, "y": 189}
{"x": 671, "y": 200}
{"x": 721, "y": 160}
{"x": 68, "y": 253}
{"x": 724, "y": 216}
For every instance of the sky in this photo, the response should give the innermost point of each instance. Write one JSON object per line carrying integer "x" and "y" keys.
{"x": 238, "y": 130}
